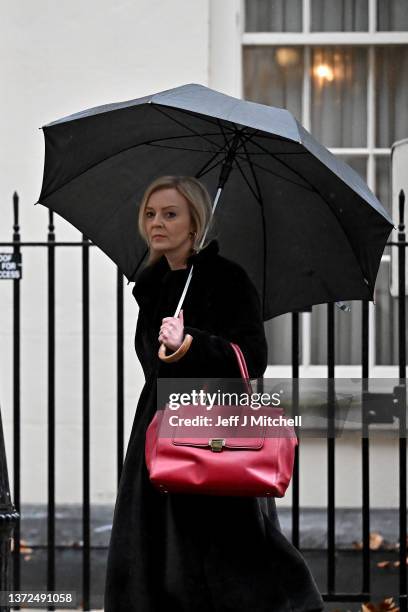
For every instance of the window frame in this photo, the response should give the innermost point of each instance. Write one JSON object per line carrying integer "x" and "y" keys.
{"x": 308, "y": 39}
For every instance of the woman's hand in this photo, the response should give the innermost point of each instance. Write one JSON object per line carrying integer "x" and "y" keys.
{"x": 172, "y": 331}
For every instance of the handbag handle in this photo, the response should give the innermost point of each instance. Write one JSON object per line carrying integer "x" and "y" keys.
{"x": 242, "y": 365}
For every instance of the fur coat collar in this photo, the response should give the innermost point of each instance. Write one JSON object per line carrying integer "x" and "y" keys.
{"x": 153, "y": 278}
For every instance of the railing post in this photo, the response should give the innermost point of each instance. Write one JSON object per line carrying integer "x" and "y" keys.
{"x": 51, "y": 408}
{"x": 403, "y": 432}
{"x": 295, "y": 400}
{"x": 8, "y": 520}
{"x": 16, "y": 399}
{"x": 365, "y": 451}
{"x": 331, "y": 502}
{"x": 86, "y": 517}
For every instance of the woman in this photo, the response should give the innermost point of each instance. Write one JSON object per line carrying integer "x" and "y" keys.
{"x": 195, "y": 552}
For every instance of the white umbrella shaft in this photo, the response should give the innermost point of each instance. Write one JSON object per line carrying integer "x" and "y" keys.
{"x": 183, "y": 295}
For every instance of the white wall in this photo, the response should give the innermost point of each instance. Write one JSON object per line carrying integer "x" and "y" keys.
{"x": 225, "y": 66}
{"x": 59, "y": 57}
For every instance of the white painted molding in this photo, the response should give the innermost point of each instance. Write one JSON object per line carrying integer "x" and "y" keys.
{"x": 225, "y": 50}
{"x": 325, "y": 38}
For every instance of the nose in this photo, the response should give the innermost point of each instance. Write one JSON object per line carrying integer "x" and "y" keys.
{"x": 157, "y": 221}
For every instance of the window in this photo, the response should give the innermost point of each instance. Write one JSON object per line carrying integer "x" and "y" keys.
{"x": 274, "y": 16}
{"x": 346, "y": 59}
{"x": 339, "y": 15}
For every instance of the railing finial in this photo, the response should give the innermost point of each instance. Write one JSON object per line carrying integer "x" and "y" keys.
{"x": 401, "y": 202}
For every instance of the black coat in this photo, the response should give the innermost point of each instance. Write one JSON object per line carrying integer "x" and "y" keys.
{"x": 197, "y": 553}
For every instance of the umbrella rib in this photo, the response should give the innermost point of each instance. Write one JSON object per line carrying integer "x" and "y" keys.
{"x": 242, "y": 140}
{"x": 249, "y": 136}
{"x": 159, "y": 109}
{"x": 221, "y": 127}
{"x": 178, "y": 137}
{"x": 259, "y": 134}
{"x": 253, "y": 154}
{"x": 201, "y": 172}
{"x": 315, "y": 190}
{"x": 258, "y": 189}
{"x": 312, "y": 187}
{"x": 204, "y": 118}
{"x": 253, "y": 173}
{"x": 181, "y": 148}
{"x": 266, "y": 136}
{"x": 140, "y": 144}
{"x": 204, "y": 170}
{"x": 278, "y": 175}
{"x": 236, "y": 131}
{"x": 101, "y": 161}
{"x": 247, "y": 182}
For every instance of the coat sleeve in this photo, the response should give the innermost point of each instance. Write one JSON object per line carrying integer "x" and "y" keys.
{"x": 240, "y": 321}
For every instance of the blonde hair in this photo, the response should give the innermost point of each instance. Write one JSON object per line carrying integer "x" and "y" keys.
{"x": 198, "y": 199}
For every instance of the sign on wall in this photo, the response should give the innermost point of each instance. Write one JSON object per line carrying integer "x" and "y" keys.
{"x": 10, "y": 266}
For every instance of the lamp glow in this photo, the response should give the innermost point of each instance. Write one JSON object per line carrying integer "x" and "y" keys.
{"x": 324, "y": 72}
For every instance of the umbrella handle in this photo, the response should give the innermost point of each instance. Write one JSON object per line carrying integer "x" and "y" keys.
{"x": 182, "y": 350}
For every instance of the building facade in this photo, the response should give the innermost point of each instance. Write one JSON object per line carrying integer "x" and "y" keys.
{"x": 341, "y": 67}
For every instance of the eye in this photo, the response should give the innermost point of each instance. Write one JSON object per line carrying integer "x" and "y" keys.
{"x": 170, "y": 214}
{"x": 149, "y": 213}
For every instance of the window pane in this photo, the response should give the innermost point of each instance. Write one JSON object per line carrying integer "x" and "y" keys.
{"x": 339, "y": 96}
{"x": 383, "y": 181}
{"x": 386, "y": 318}
{"x": 347, "y": 335}
{"x": 273, "y": 15}
{"x": 392, "y": 15}
{"x": 274, "y": 76}
{"x": 357, "y": 162}
{"x": 339, "y": 15}
{"x": 392, "y": 94}
{"x": 279, "y": 336}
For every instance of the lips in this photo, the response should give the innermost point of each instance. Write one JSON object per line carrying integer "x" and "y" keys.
{"x": 158, "y": 236}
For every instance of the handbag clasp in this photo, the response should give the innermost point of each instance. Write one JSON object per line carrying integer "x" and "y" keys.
{"x": 216, "y": 444}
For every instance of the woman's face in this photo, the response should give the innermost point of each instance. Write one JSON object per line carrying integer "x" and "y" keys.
{"x": 168, "y": 221}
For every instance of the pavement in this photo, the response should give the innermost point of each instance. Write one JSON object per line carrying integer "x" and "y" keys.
{"x": 313, "y": 544}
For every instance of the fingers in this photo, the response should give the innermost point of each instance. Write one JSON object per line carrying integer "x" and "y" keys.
{"x": 179, "y": 318}
{"x": 163, "y": 335}
{"x": 171, "y": 330}
{"x": 168, "y": 325}
{"x": 173, "y": 322}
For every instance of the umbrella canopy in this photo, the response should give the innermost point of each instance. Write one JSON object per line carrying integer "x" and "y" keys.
{"x": 304, "y": 225}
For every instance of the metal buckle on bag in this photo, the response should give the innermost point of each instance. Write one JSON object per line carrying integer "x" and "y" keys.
{"x": 216, "y": 444}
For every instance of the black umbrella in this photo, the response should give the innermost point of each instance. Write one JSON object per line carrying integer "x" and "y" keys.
{"x": 302, "y": 223}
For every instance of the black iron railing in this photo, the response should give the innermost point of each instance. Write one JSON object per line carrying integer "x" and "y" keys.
{"x": 395, "y": 402}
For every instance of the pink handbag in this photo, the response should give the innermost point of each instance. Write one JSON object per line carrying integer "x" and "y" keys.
{"x": 256, "y": 466}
